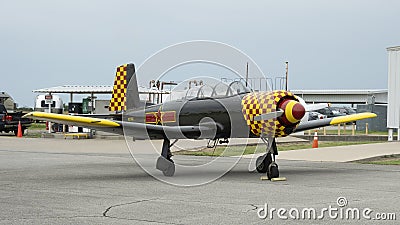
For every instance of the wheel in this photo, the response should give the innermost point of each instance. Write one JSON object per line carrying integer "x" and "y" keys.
{"x": 273, "y": 171}
{"x": 263, "y": 162}
{"x": 167, "y": 166}
{"x": 260, "y": 166}
{"x": 170, "y": 171}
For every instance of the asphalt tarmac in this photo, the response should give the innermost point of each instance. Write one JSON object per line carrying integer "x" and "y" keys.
{"x": 97, "y": 182}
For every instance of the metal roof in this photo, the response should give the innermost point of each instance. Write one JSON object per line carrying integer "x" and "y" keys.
{"x": 395, "y": 48}
{"x": 95, "y": 89}
{"x": 380, "y": 96}
{"x": 3, "y": 95}
{"x": 341, "y": 92}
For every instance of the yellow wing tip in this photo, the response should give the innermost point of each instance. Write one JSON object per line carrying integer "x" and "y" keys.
{"x": 351, "y": 118}
{"x": 79, "y": 120}
{"x": 30, "y": 114}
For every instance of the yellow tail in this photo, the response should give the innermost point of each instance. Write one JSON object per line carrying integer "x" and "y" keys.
{"x": 119, "y": 96}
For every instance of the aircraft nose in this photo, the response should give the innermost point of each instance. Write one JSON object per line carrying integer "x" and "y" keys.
{"x": 294, "y": 111}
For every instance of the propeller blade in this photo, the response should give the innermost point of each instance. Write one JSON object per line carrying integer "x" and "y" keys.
{"x": 268, "y": 116}
{"x": 314, "y": 107}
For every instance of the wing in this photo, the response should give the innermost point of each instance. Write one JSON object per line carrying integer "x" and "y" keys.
{"x": 72, "y": 120}
{"x": 136, "y": 130}
{"x": 333, "y": 121}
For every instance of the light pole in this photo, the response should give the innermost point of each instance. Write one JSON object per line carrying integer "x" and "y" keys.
{"x": 287, "y": 74}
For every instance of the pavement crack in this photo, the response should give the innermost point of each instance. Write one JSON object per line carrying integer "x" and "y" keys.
{"x": 254, "y": 208}
{"x": 130, "y": 203}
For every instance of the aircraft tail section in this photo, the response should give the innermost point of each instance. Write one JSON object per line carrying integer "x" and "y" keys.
{"x": 125, "y": 92}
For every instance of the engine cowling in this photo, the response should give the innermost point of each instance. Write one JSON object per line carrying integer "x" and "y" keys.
{"x": 258, "y": 103}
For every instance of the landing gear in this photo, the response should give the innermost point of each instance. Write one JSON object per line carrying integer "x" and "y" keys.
{"x": 266, "y": 163}
{"x": 167, "y": 166}
{"x": 273, "y": 171}
{"x": 164, "y": 162}
{"x": 263, "y": 163}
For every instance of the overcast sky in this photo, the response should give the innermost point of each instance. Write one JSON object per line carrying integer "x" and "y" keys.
{"x": 329, "y": 44}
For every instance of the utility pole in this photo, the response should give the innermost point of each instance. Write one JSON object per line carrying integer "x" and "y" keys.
{"x": 247, "y": 73}
{"x": 49, "y": 100}
{"x": 287, "y": 74}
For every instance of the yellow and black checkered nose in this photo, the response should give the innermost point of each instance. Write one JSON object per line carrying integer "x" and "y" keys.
{"x": 258, "y": 103}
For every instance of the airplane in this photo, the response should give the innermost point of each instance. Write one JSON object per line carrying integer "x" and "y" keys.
{"x": 221, "y": 111}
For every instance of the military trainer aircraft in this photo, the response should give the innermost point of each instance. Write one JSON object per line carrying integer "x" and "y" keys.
{"x": 214, "y": 112}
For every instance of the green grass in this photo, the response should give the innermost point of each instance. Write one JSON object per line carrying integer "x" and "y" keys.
{"x": 33, "y": 135}
{"x": 347, "y": 132}
{"x": 242, "y": 150}
{"x": 35, "y": 130}
{"x": 383, "y": 160}
{"x": 37, "y": 126}
{"x": 386, "y": 162}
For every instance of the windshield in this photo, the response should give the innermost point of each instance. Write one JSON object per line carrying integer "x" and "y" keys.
{"x": 219, "y": 90}
{"x": 204, "y": 90}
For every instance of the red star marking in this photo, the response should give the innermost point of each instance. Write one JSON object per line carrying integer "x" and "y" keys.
{"x": 158, "y": 116}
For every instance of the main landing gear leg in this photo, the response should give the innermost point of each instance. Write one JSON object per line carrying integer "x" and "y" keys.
{"x": 164, "y": 162}
{"x": 266, "y": 163}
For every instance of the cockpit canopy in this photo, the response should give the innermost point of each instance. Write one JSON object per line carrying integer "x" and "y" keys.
{"x": 220, "y": 90}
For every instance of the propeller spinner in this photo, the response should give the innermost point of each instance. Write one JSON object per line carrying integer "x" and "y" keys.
{"x": 293, "y": 111}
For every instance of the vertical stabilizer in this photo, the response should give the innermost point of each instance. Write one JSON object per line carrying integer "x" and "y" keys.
{"x": 125, "y": 94}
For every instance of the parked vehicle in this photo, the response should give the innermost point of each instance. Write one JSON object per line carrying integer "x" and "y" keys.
{"x": 330, "y": 112}
{"x": 9, "y": 121}
{"x": 346, "y": 110}
{"x": 56, "y": 106}
{"x": 316, "y": 116}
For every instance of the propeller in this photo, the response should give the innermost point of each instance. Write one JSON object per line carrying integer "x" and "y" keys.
{"x": 314, "y": 107}
{"x": 268, "y": 116}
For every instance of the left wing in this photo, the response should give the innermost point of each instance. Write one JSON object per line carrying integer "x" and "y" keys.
{"x": 137, "y": 130}
{"x": 333, "y": 121}
{"x": 72, "y": 120}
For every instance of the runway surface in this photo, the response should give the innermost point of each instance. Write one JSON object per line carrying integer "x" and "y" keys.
{"x": 97, "y": 182}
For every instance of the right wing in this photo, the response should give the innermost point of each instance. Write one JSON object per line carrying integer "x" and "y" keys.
{"x": 308, "y": 125}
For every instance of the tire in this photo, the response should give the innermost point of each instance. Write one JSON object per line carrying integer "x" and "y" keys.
{"x": 273, "y": 171}
{"x": 263, "y": 162}
{"x": 166, "y": 166}
{"x": 170, "y": 171}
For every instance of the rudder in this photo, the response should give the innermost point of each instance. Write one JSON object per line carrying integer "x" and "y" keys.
{"x": 124, "y": 96}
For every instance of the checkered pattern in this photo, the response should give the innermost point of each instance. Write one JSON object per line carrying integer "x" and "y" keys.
{"x": 257, "y": 103}
{"x": 117, "y": 102}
